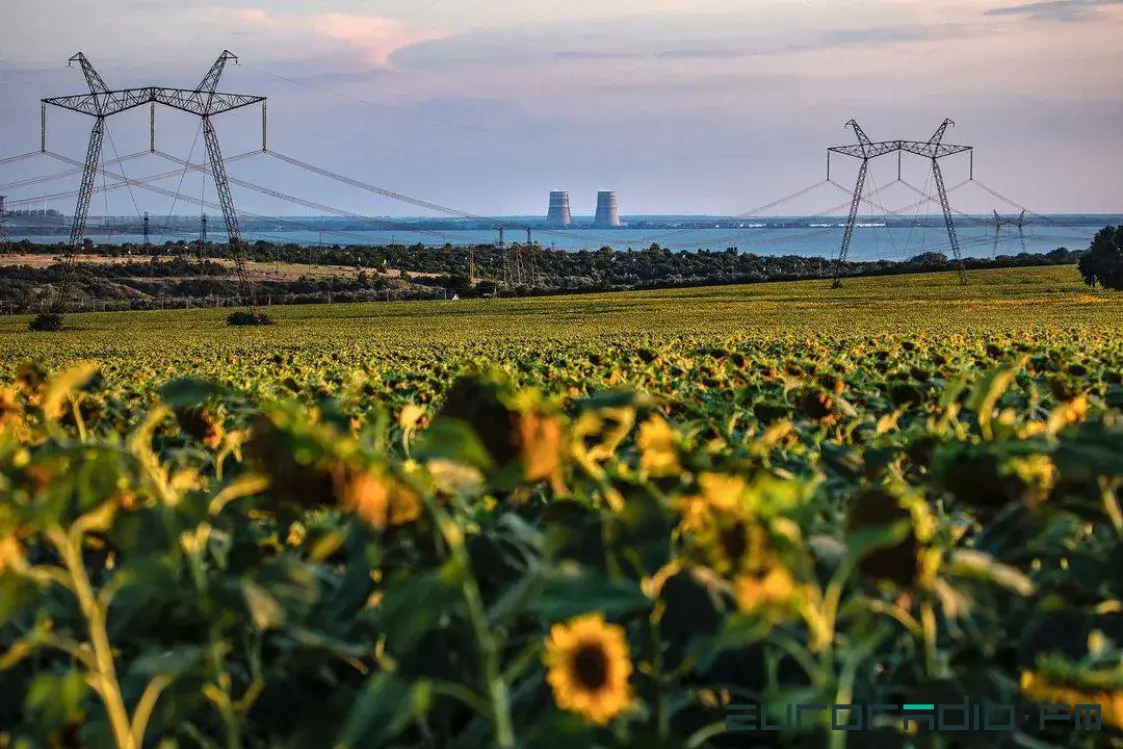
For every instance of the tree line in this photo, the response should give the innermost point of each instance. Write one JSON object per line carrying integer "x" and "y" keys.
{"x": 193, "y": 272}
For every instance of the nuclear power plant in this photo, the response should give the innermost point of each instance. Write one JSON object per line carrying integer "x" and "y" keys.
{"x": 608, "y": 213}
{"x": 558, "y": 216}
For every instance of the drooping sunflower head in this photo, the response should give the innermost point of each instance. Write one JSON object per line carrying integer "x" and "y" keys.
{"x": 730, "y": 543}
{"x": 588, "y": 668}
{"x": 899, "y": 559}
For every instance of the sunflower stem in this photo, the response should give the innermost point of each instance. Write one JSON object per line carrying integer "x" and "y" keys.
{"x": 488, "y": 645}
{"x": 662, "y": 715}
{"x": 105, "y": 673}
{"x": 928, "y": 624}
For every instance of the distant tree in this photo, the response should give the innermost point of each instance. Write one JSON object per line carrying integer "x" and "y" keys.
{"x": 1103, "y": 263}
{"x": 930, "y": 260}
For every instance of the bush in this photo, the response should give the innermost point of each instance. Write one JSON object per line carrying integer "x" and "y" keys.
{"x": 47, "y": 321}
{"x": 242, "y": 317}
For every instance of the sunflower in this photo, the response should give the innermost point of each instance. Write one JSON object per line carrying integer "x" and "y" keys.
{"x": 11, "y": 553}
{"x": 10, "y": 410}
{"x": 1069, "y": 412}
{"x": 589, "y": 668}
{"x": 718, "y": 493}
{"x": 378, "y": 498}
{"x": 657, "y": 445}
{"x": 765, "y": 591}
{"x": 730, "y": 543}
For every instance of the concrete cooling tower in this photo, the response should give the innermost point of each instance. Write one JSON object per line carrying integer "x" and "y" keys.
{"x": 608, "y": 213}
{"x": 559, "y": 217}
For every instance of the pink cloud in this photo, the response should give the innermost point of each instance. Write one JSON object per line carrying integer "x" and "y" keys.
{"x": 379, "y": 37}
{"x": 252, "y": 15}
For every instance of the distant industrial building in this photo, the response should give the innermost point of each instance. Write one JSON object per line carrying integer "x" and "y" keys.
{"x": 608, "y": 213}
{"x": 558, "y": 217}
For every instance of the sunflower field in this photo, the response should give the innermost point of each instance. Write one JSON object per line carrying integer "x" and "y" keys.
{"x": 601, "y": 542}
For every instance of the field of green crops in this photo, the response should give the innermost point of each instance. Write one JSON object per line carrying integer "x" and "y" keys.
{"x": 587, "y": 521}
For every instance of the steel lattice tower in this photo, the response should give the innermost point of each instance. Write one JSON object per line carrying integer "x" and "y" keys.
{"x": 3, "y": 228}
{"x": 999, "y": 222}
{"x": 866, "y": 150}
{"x": 203, "y": 101}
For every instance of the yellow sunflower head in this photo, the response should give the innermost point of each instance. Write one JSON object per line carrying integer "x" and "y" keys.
{"x": 377, "y": 497}
{"x": 716, "y": 493}
{"x": 731, "y": 543}
{"x": 589, "y": 668}
{"x": 658, "y": 455}
{"x": 769, "y": 592}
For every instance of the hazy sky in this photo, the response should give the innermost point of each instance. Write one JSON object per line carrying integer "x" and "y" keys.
{"x": 681, "y": 106}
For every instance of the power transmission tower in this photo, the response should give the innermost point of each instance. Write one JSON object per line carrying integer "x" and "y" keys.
{"x": 147, "y": 243}
{"x": 4, "y": 248}
{"x": 505, "y": 270}
{"x": 867, "y": 150}
{"x": 101, "y": 103}
{"x": 999, "y": 222}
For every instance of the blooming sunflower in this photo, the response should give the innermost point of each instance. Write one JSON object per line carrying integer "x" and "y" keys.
{"x": 730, "y": 543}
{"x": 717, "y": 493}
{"x": 768, "y": 591}
{"x": 657, "y": 445}
{"x": 377, "y": 497}
{"x": 589, "y": 668}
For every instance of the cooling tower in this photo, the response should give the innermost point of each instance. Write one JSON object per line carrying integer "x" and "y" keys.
{"x": 559, "y": 217}
{"x": 608, "y": 213}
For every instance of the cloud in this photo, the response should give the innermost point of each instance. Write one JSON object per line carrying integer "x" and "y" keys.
{"x": 707, "y": 41}
{"x": 834, "y": 39}
{"x": 704, "y": 54}
{"x": 594, "y": 55}
{"x": 253, "y": 15}
{"x": 378, "y": 37}
{"x": 1057, "y": 10}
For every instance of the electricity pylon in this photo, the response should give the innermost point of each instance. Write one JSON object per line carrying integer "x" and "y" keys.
{"x": 999, "y": 222}
{"x": 866, "y": 150}
{"x": 3, "y": 228}
{"x": 102, "y": 102}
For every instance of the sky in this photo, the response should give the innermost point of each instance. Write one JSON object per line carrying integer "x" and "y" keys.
{"x": 714, "y": 107}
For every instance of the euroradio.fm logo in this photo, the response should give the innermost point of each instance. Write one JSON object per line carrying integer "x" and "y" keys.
{"x": 963, "y": 716}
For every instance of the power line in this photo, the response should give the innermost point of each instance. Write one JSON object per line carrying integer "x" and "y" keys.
{"x": 20, "y": 157}
{"x": 68, "y": 173}
{"x": 182, "y": 175}
{"x": 311, "y": 204}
